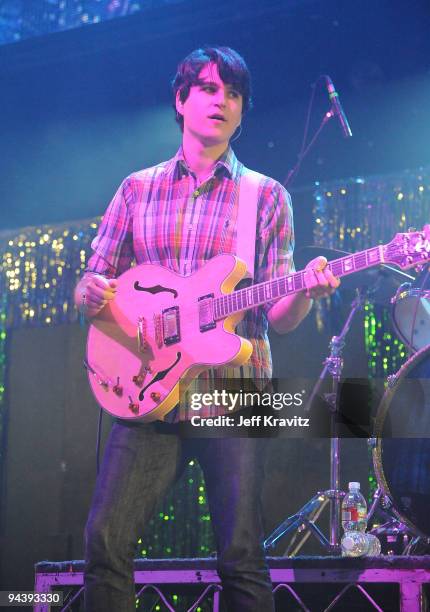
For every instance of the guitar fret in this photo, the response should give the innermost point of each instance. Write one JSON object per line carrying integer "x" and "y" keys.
{"x": 298, "y": 281}
{"x": 249, "y": 297}
{"x": 347, "y": 264}
{"x": 336, "y": 267}
{"x": 234, "y": 301}
{"x": 360, "y": 260}
{"x": 373, "y": 256}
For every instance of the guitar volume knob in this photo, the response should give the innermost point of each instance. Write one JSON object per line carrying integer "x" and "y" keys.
{"x": 155, "y": 396}
{"x": 138, "y": 379}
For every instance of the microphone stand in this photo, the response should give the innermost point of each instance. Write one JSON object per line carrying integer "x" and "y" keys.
{"x": 292, "y": 173}
{"x": 332, "y": 365}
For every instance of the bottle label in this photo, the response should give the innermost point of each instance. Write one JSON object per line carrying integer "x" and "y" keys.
{"x": 351, "y": 514}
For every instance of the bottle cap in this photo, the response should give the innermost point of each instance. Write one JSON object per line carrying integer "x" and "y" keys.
{"x": 353, "y": 485}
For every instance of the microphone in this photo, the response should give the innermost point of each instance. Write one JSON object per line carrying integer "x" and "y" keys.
{"x": 337, "y": 107}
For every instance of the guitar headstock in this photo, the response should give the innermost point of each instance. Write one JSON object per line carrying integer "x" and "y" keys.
{"x": 409, "y": 249}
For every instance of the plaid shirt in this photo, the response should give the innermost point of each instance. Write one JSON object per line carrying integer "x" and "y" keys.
{"x": 162, "y": 215}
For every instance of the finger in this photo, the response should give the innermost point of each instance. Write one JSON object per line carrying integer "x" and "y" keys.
{"x": 95, "y": 295}
{"x": 101, "y": 288}
{"x": 313, "y": 272}
{"x": 332, "y": 280}
{"x": 95, "y": 292}
{"x": 101, "y": 281}
{"x": 322, "y": 280}
{"x": 319, "y": 263}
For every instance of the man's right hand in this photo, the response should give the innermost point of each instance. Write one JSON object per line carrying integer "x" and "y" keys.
{"x": 94, "y": 292}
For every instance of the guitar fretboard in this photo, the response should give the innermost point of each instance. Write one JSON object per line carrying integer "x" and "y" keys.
{"x": 259, "y": 294}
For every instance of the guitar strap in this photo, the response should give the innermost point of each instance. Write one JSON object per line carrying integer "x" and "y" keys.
{"x": 247, "y": 218}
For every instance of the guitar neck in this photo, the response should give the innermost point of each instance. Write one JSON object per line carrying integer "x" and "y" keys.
{"x": 261, "y": 293}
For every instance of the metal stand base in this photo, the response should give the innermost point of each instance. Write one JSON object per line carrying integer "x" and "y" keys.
{"x": 305, "y": 519}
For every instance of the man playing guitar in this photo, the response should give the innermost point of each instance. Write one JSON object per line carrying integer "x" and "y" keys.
{"x": 180, "y": 214}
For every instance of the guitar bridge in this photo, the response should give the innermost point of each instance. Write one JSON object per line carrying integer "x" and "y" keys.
{"x": 158, "y": 330}
{"x": 141, "y": 335}
{"x": 206, "y": 312}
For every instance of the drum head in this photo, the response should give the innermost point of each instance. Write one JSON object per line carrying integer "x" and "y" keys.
{"x": 402, "y": 454}
{"x": 411, "y": 318}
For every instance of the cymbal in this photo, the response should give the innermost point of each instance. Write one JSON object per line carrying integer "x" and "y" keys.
{"x": 385, "y": 278}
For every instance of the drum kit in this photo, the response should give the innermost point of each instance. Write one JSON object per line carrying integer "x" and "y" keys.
{"x": 401, "y": 425}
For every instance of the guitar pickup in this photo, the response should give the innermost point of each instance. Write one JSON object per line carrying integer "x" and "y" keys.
{"x": 171, "y": 325}
{"x": 206, "y": 312}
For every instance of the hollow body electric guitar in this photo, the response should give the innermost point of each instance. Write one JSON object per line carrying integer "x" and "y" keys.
{"x": 162, "y": 327}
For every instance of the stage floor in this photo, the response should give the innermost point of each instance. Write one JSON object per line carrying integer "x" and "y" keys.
{"x": 198, "y": 579}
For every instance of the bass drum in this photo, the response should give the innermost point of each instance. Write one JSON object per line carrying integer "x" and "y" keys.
{"x": 401, "y": 455}
{"x": 411, "y": 317}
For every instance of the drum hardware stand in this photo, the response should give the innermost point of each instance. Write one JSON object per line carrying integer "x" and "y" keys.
{"x": 304, "y": 518}
{"x": 379, "y": 499}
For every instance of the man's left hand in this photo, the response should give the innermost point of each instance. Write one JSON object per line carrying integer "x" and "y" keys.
{"x": 319, "y": 279}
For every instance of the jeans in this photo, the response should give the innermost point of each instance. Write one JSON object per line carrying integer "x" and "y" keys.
{"x": 140, "y": 463}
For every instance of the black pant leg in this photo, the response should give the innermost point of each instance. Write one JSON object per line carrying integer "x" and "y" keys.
{"x": 234, "y": 474}
{"x": 139, "y": 465}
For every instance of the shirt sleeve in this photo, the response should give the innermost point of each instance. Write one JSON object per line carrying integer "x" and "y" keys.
{"x": 275, "y": 236}
{"x": 113, "y": 245}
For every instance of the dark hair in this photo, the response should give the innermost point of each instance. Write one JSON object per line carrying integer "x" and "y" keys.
{"x": 231, "y": 67}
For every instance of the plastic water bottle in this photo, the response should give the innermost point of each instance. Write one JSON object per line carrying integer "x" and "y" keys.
{"x": 374, "y": 545}
{"x": 354, "y": 544}
{"x": 354, "y": 509}
{"x": 360, "y": 544}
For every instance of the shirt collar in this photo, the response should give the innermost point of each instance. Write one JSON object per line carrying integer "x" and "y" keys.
{"x": 228, "y": 160}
